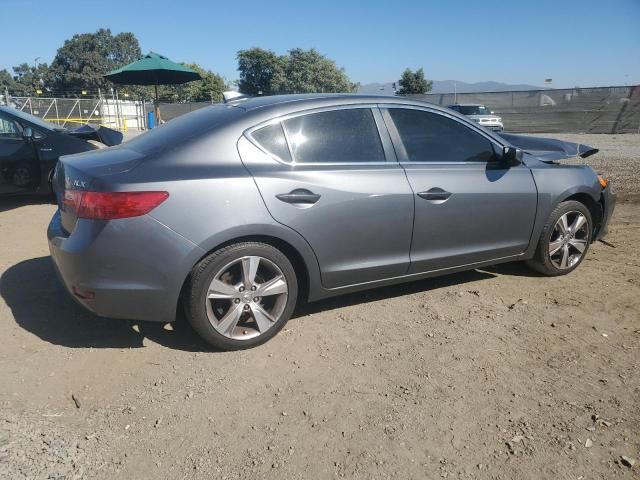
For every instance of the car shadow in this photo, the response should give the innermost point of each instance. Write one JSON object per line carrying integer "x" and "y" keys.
{"x": 393, "y": 291}
{"x": 12, "y": 202}
{"x": 41, "y": 305}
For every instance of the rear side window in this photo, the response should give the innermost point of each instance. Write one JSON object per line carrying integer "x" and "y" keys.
{"x": 338, "y": 136}
{"x": 429, "y": 137}
{"x": 272, "y": 139}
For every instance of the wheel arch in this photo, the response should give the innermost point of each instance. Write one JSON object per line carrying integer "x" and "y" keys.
{"x": 594, "y": 207}
{"x": 296, "y": 249}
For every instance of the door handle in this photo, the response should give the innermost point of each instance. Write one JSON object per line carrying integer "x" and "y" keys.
{"x": 45, "y": 149}
{"x": 435, "y": 194}
{"x": 299, "y": 195}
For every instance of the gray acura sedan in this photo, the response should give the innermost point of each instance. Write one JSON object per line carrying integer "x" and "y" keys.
{"x": 238, "y": 211}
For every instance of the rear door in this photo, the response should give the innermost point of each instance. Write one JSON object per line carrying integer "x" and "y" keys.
{"x": 469, "y": 206}
{"x": 19, "y": 166}
{"x": 332, "y": 177}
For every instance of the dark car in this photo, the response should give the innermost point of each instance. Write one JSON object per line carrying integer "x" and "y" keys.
{"x": 238, "y": 211}
{"x": 30, "y": 148}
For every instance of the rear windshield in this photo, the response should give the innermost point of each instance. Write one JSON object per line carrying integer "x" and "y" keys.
{"x": 183, "y": 128}
{"x": 473, "y": 110}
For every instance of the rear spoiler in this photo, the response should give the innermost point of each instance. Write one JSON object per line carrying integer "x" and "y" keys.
{"x": 232, "y": 95}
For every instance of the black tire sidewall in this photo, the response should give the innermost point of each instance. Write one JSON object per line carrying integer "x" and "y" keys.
{"x": 543, "y": 259}
{"x": 202, "y": 276}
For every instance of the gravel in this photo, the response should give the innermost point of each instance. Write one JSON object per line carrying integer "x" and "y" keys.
{"x": 494, "y": 373}
{"x": 618, "y": 160}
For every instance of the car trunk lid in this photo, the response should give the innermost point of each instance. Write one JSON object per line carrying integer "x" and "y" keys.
{"x": 88, "y": 171}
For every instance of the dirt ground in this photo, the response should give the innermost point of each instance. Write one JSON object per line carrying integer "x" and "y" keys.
{"x": 494, "y": 373}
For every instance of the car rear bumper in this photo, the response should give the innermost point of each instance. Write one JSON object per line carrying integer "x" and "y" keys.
{"x": 131, "y": 268}
{"x": 608, "y": 201}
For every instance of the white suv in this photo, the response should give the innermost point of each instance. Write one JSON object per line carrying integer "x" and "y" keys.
{"x": 481, "y": 114}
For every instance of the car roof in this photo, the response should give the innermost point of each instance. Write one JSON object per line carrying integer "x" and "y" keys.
{"x": 312, "y": 100}
{"x": 468, "y": 104}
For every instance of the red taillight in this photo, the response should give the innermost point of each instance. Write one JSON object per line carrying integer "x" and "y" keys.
{"x": 112, "y": 205}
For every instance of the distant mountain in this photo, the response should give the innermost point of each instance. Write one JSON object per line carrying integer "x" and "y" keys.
{"x": 447, "y": 86}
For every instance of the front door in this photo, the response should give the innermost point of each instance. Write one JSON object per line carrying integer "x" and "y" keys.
{"x": 331, "y": 177}
{"x": 19, "y": 165}
{"x": 469, "y": 207}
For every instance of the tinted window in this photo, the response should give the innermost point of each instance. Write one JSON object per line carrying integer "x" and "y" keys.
{"x": 8, "y": 128}
{"x": 339, "y": 136}
{"x": 429, "y": 137}
{"x": 271, "y": 138}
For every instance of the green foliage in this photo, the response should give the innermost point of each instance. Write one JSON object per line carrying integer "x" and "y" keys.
{"x": 261, "y": 71}
{"x": 299, "y": 71}
{"x": 412, "y": 83}
{"x": 308, "y": 71}
{"x": 83, "y": 60}
{"x": 27, "y": 79}
{"x": 6, "y": 81}
{"x": 209, "y": 89}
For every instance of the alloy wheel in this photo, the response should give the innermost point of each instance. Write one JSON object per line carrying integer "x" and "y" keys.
{"x": 246, "y": 297}
{"x": 569, "y": 239}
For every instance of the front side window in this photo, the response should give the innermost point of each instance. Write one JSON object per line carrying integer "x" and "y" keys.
{"x": 337, "y": 136}
{"x": 430, "y": 137}
{"x": 8, "y": 128}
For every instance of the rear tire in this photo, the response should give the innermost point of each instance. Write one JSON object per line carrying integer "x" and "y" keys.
{"x": 241, "y": 295}
{"x": 564, "y": 241}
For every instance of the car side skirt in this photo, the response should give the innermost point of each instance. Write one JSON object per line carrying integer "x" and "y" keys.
{"x": 320, "y": 294}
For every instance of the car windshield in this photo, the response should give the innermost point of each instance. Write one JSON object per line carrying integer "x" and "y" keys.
{"x": 473, "y": 110}
{"x": 32, "y": 119}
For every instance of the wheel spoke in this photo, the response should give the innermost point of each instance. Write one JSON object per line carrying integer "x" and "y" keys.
{"x": 275, "y": 286}
{"x": 565, "y": 257}
{"x": 579, "y": 245}
{"x": 578, "y": 223}
{"x": 555, "y": 246}
{"x": 262, "y": 318}
{"x": 246, "y": 297}
{"x": 249, "y": 269}
{"x": 563, "y": 223}
{"x": 221, "y": 290}
{"x": 230, "y": 320}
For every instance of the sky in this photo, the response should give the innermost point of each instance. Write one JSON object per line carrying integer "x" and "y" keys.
{"x": 574, "y": 42}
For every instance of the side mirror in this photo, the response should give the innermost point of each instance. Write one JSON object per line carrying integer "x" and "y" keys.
{"x": 27, "y": 133}
{"x": 511, "y": 155}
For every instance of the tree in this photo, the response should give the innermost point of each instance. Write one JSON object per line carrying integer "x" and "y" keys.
{"x": 412, "y": 83}
{"x": 28, "y": 79}
{"x": 6, "y": 81}
{"x": 83, "y": 60}
{"x": 262, "y": 72}
{"x": 308, "y": 71}
{"x": 209, "y": 89}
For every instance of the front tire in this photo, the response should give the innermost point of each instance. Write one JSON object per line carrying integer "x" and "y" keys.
{"x": 564, "y": 240}
{"x": 242, "y": 295}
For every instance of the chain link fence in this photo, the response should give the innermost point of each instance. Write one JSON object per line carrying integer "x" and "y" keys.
{"x": 575, "y": 110}
{"x": 122, "y": 115}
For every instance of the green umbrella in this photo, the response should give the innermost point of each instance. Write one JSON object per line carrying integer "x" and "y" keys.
{"x": 153, "y": 69}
